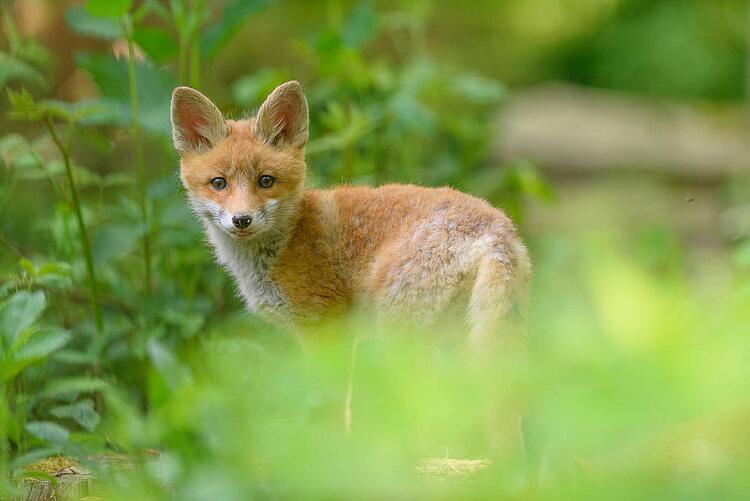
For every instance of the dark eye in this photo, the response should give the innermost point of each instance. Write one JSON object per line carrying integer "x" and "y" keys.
{"x": 218, "y": 183}
{"x": 266, "y": 181}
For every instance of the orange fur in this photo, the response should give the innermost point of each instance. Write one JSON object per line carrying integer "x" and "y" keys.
{"x": 403, "y": 250}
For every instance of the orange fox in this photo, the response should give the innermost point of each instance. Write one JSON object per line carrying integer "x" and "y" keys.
{"x": 299, "y": 255}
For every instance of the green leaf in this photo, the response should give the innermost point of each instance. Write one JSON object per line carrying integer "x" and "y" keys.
{"x": 166, "y": 363}
{"x": 154, "y": 90}
{"x": 157, "y": 42}
{"x": 73, "y": 111}
{"x": 82, "y": 412}
{"x": 249, "y": 90}
{"x": 19, "y": 313}
{"x": 155, "y": 7}
{"x": 479, "y": 89}
{"x": 523, "y": 177}
{"x": 108, "y": 8}
{"x": 73, "y": 386}
{"x": 15, "y": 149}
{"x": 25, "y": 107}
{"x": 30, "y": 348}
{"x": 742, "y": 256}
{"x": 234, "y": 14}
{"x": 361, "y": 25}
{"x": 42, "y": 344}
{"x": 72, "y": 357}
{"x": 33, "y": 456}
{"x": 13, "y": 69}
{"x": 83, "y": 22}
{"x": 49, "y": 432}
{"x": 111, "y": 242}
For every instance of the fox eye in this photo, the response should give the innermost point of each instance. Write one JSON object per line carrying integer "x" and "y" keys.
{"x": 218, "y": 183}
{"x": 266, "y": 181}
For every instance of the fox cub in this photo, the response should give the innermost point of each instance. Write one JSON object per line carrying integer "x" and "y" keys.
{"x": 300, "y": 255}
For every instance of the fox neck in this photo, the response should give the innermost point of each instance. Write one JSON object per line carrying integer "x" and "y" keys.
{"x": 250, "y": 263}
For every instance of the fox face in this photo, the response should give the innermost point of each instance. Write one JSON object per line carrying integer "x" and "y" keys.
{"x": 243, "y": 177}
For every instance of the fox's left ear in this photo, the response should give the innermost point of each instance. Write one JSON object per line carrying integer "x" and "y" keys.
{"x": 283, "y": 118}
{"x": 197, "y": 124}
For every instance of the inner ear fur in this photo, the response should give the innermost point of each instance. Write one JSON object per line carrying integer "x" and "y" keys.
{"x": 283, "y": 118}
{"x": 197, "y": 124}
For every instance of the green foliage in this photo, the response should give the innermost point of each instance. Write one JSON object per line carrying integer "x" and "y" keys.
{"x": 155, "y": 88}
{"x": 108, "y": 8}
{"x": 234, "y": 14}
{"x": 85, "y": 23}
{"x": 22, "y": 341}
{"x": 623, "y": 348}
{"x": 695, "y": 49}
{"x": 24, "y": 60}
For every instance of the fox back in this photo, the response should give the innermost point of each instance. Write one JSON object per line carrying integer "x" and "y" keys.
{"x": 300, "y": 256}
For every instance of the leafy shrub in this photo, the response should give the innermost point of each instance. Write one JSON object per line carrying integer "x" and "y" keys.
{"x": 117, "y": 273}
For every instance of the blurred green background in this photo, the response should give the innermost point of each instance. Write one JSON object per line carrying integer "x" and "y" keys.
{"x": 614, "y": 132}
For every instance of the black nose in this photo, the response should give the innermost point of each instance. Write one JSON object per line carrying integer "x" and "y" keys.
{"x": 242, "y": 221}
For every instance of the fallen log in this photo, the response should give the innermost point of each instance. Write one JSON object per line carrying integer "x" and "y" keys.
{"x": 575, "y": 129}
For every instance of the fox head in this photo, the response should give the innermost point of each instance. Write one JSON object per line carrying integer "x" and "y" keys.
{"x": 243, "y": 177}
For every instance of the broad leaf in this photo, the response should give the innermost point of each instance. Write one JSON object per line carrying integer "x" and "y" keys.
{"x": 42, "y": 344}
{"x": 19, "y": 313}
{"x": 361, "y": 25}
{"x": 15, "y": 149}
{"x": 166, "y": 363}
{"x": 13, "y": 69}
{"x": 157, "y": 42}
{"x": 30, "y": 348}
{"x": 49, "y": 432}
{"x": 74, "y": 386}
{"x": 250, "y": 90}
{"x": 33, "y": 456}
{"x": 81, "y": 412}
{"x": 108, "y": 8}
{"x": 83, "y": 22}
{"x": 233, "y": 16}
{"x": 113, "y": 241}
{"x": 154, "y": 90}
{"x": 72, "y": 357}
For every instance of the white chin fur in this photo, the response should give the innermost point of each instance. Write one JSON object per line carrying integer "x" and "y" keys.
{"x": 271, "y": 214}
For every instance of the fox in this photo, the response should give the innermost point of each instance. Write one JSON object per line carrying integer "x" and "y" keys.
{"x": 300, "y": 255}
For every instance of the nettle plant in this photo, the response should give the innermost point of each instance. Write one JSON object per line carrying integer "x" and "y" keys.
{"x": 120, "y": 278}
{"x": 43, "y": 409}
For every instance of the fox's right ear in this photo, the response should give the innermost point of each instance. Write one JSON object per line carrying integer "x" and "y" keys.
{"x": 197, "y": 124}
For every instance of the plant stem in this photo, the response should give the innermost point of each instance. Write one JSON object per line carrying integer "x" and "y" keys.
{"x": 81, "y": 226}
{"x": 135, "y": 113}
{"x": 4, "y": 449}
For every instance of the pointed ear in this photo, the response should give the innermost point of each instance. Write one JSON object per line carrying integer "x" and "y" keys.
{"x": 197, "y": 124}
{"x": 283, "y": 118}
